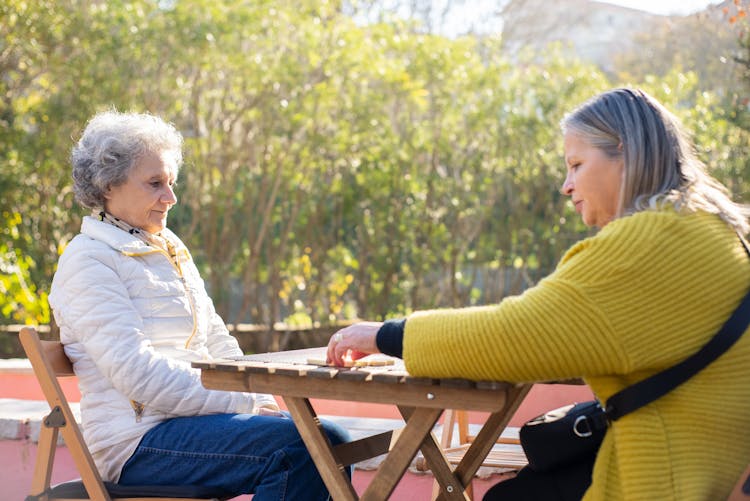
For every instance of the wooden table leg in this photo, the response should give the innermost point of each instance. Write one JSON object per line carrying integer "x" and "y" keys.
{"x": 418, "y": 426}
{"x": 488, "y": 435}
{"x": 452, "y": 489}
{"x": 337, "y": 481}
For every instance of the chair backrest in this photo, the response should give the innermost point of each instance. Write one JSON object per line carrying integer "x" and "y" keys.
{"x": 741, "y": 491}
{"x": 49, "y": 362}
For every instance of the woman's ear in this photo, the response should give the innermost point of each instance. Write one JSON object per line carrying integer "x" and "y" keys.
{"x": 108, "y": 193}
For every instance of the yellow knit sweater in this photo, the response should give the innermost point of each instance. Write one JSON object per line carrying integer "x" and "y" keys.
{"x": 643, "y": 294}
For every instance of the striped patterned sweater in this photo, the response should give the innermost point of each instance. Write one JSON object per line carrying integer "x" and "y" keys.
{"x": 643, "y": 294}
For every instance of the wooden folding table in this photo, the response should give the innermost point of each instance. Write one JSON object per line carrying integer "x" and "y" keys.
{"x": 420, "y": 401}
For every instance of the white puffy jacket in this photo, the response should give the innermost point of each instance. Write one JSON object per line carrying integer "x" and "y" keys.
{"x": 131, "y": 321}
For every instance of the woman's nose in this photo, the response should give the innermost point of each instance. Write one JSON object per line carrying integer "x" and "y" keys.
{"x": 169, "y": 197}
{"x": 567, "y": 187}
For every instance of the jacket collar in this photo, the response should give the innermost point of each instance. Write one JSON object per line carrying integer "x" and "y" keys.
{"x": 118, "y": 239}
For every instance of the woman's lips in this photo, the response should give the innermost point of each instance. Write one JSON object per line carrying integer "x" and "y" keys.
{"x": 579, "y": 206}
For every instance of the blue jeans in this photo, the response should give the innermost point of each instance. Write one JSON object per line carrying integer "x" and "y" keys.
{"x": 236, "y": 453}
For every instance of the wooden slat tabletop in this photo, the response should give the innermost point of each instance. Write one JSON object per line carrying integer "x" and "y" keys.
{"x": 295, "y": 363}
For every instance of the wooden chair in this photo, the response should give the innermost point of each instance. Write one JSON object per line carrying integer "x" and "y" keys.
{"x": 741, "y": 491}
{"x": 50, "y": 362}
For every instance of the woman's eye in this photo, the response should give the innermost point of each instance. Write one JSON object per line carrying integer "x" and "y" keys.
{"x": 155, "y": 184}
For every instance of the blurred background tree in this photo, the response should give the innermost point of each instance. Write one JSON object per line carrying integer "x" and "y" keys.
{"x": 342, "y": 159}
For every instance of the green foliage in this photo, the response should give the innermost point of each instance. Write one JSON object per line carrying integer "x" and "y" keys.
{"x": 332, "y": 169}
{"x": 20, "y": 302}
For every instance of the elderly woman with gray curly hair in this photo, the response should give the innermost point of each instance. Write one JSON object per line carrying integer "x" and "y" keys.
{"x": 133, "y": 314}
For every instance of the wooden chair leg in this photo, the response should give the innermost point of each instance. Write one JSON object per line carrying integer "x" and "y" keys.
{"x": 463, "y": 427}
{"x": 45, "y": 458}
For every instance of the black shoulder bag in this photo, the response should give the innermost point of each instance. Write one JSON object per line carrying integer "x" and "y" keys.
{"x": 573, "y": 433}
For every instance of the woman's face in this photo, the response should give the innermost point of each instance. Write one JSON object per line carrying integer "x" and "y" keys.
{"x": 593, "y": 181}
{"x": 147, "y": 195}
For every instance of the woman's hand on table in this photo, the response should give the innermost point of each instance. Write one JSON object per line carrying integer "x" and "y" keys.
{"x": 353, "y": 342}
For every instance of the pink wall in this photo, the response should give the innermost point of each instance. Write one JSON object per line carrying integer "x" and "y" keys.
{"x": 25, "y": 387}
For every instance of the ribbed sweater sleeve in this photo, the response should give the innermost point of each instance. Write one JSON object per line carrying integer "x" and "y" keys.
{"x": 620, "y": 302}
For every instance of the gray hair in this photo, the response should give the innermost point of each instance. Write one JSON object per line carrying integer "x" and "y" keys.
{"x": 660, "y": 164}
{"x": 111, "y": 145}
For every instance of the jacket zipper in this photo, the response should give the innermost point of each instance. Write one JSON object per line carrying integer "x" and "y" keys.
{"x": 138, "y": 407}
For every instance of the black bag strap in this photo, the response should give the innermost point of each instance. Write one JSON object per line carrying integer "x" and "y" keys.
{"x": 644, "y": 392}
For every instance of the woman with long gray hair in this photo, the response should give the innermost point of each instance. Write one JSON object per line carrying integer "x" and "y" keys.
{"x": 658, "y": 280}
{"x": 133, "y": 314}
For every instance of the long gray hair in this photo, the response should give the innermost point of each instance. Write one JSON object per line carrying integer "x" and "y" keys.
{"x": 660, "y": 165}
{"x": 110, "y": 147}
